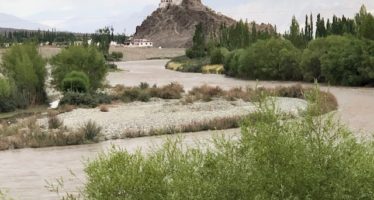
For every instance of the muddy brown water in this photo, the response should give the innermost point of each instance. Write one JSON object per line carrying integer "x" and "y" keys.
{"x": 24, "y": 172}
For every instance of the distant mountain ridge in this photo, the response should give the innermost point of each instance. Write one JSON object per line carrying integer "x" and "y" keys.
{"x": 13, "y": 22}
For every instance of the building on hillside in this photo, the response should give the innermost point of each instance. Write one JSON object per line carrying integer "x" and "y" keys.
{"x": 139, "y": 43}
{"x": 166, "y": 3}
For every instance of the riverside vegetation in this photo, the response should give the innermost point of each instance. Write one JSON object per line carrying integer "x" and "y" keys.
{"x": 339, "y": 52}
{"x": 313, "y": 157}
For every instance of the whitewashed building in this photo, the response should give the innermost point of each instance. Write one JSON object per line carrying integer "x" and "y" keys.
{"x": 139, "y": 43}
{"x": 166, "y": 3}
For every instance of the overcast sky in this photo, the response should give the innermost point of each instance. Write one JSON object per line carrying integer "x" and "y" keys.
{"x": 89, "y": 15}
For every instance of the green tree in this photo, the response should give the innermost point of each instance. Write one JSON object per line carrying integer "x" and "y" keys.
{"x": 199, "y": 41}
{"x": 77, "y": 58}
{"x": 273, "y": 59}
{"x": 365, "y": 24}
{"x": 321, "y": 28}
{"x": 103, "y": 37}
{"x": 295, "y": 35}
{"x": 24, "y": 65}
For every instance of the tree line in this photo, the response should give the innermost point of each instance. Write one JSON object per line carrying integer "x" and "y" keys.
{"x": 338, "y": 52}
{"x": 48, "y": 37}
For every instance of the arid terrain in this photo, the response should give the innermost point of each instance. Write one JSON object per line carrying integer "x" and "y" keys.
{"x": 24, "y": 172}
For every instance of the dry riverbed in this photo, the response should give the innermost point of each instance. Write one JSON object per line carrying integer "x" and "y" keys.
{"x": 144, "y": 118}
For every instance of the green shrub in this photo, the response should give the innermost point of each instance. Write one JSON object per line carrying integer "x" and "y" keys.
{"x": 82, "y": 59}
{"x": 307, "y": 158}
{"x": 85, "y": 99}
{"x": 231, "y": 64}
{"x": 117, "y": 56}
{"x": 5, "y": 87}
{"x": 218, "y": 55}
{"x": 76, "y": 82}
{"x": 136, "y": 94}
{"x": 7, "y": 103}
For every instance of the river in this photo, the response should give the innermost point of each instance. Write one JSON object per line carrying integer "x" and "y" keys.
{"x": 24, "y": 172}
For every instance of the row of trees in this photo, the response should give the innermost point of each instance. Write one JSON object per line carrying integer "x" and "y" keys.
{"x": 240, "y": 35}
{"x": 341, "y": 53}
{"x": 362, "y": 26}
{"x": 23, "y": 36}
{"x": 338, "y": 60}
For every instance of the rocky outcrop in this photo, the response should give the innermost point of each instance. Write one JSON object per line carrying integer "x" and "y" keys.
{"x": 174, "y": 25}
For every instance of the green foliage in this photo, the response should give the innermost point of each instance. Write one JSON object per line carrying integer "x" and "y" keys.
{"x": 117, "y": 56}
{"x": 5, "y": 87}
{"x": 194, "y": 65}
{"x": 297, "y": 37}
{"x": 306, "y": 158}
{"x": 339, "y": 60}
{"x": 199, "y": 41}
{"x": 241, "y": 35}
{"x": 76, "y": 82}
{"x": 275, "y": 59}
{"x": 103, "y": 37}
{"x": 218, "y": 55}
{"x": 82, "y": 59}
{"x": 26, "y": 68}
{"x": 136, "y": 94}
{"x": 365, "y": 23}
{"x": 85, "y": 99}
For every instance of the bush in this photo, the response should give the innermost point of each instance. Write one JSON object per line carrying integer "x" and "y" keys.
{"x": 85, "y": 99}
{"x": 76, "y": 82}
{"x": 136, "y": 94}
{"x": 206, "y": 93}
{"x": 82, "y": 59}
{"x": 91, "y": 131}
{"x": 218, "y": 55}
{"x": 171, "y": 91}
{"x": 231, "y": 64}
{"x": 185, "y": 64}
{"x": 104, "y": 108}
{"x": 307, "y": 158}
{"x": 53, "y": 121}
{"x": 117, "y": 56}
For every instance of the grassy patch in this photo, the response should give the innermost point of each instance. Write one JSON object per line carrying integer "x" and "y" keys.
{"x": 185, "y": 64}
{"x": 213, "y": 69}
{"x": 220, "y": 123}
{"x": 29, "y": 133}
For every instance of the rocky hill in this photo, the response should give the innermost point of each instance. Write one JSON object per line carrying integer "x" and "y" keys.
{"x": 174, "y": 25}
